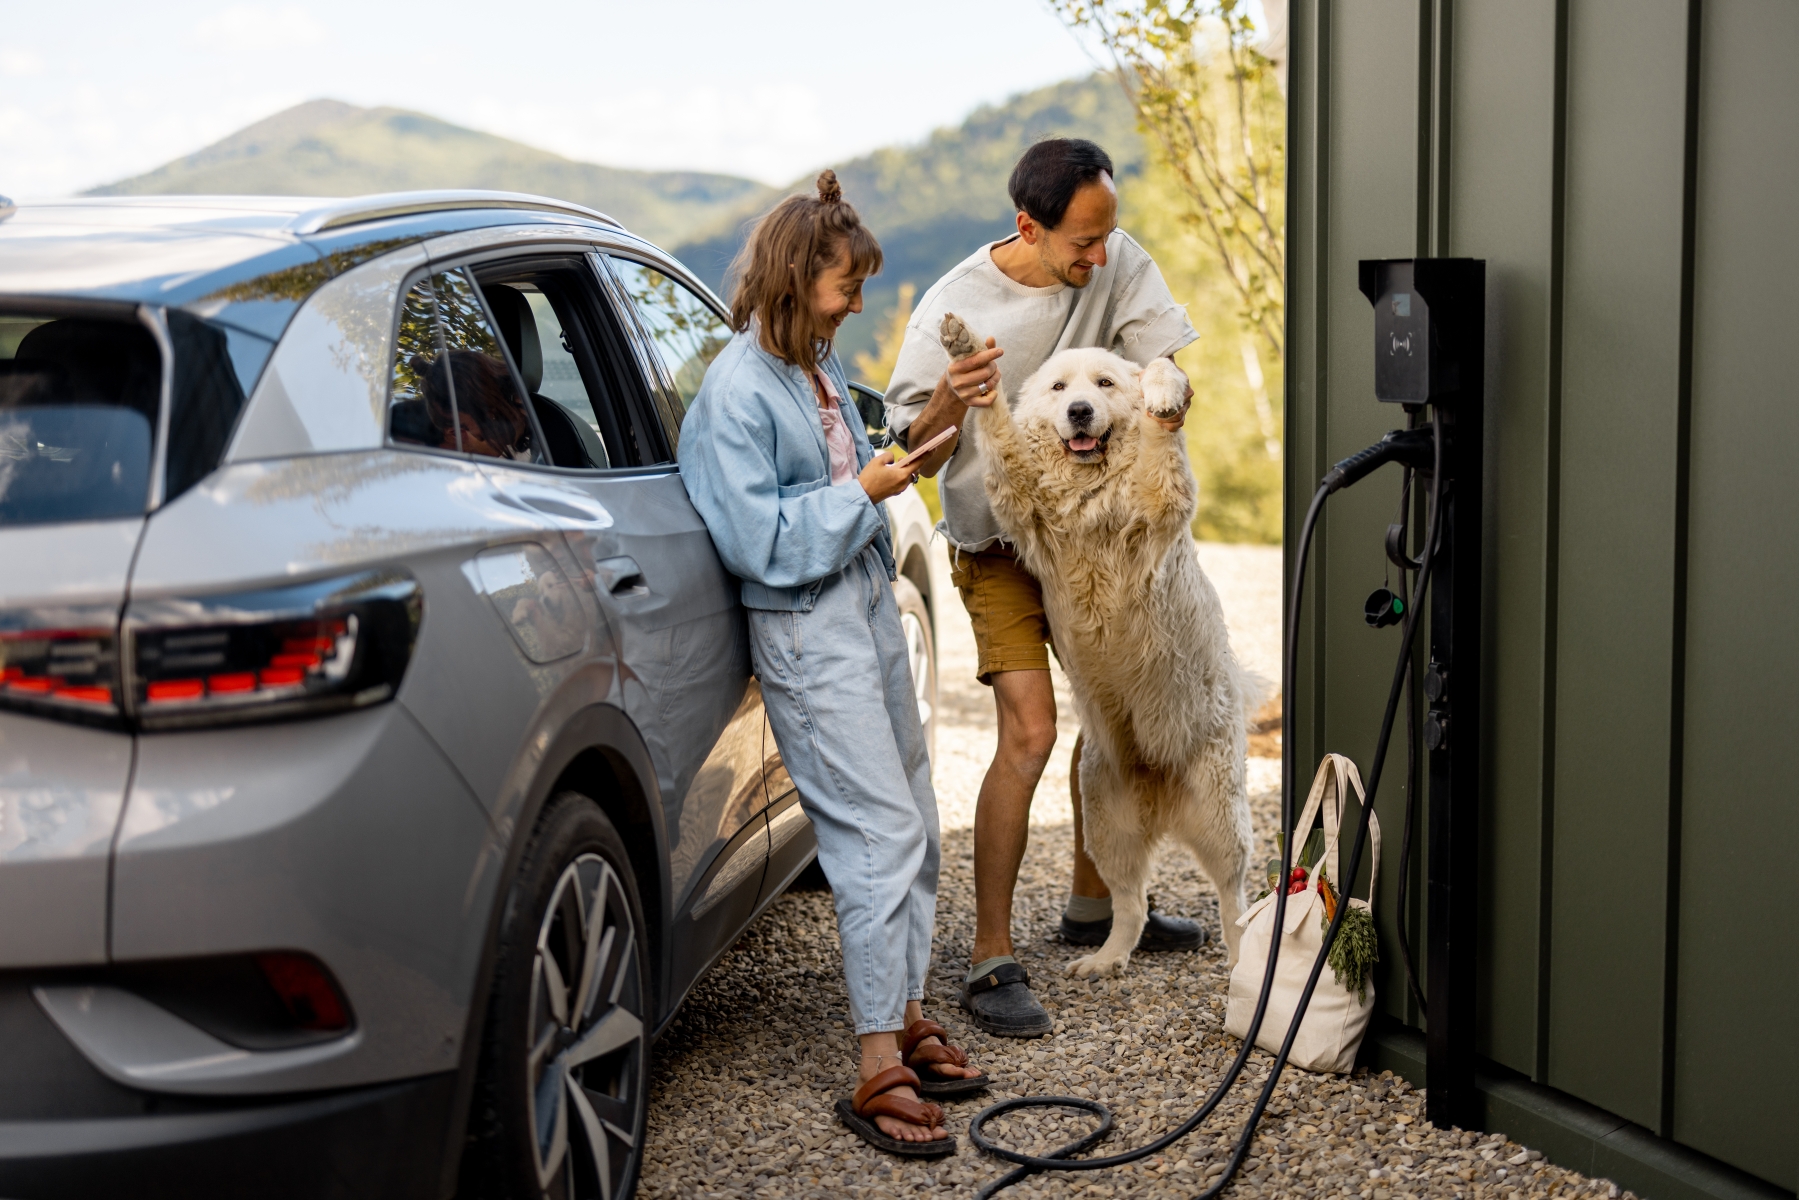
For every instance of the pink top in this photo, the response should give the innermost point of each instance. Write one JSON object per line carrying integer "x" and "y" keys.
{"x": 837, "y": 434}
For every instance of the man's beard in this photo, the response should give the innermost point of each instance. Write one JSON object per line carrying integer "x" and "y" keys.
{"x": 1065, "y": 275}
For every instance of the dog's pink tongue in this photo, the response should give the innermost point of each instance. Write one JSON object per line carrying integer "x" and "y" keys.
{"x": 1080, "y": 445}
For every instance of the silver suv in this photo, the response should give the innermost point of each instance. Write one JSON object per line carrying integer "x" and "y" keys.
{"x": 380, "y": 762}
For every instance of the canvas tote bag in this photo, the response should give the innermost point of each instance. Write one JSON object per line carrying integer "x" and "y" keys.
{"x": 1336, "y": 1019}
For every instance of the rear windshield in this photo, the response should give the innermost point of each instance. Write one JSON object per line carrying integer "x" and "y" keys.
{"x": 78, "y": 404}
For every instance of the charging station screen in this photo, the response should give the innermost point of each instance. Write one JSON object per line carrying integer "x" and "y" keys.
{"x": 1401, "y": 340}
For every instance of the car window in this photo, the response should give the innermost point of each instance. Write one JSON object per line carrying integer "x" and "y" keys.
{"x": 684, "y": 331}
{"x": 454, "y": 387}
{"x": 586, "y": 383}
{"x": 539, "y": 320}
{"x": 78, "y": 407}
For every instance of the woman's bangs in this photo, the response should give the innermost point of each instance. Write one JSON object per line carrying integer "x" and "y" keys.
{"x": 864, "y": 251}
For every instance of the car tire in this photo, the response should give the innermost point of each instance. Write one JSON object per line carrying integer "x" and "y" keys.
{"x": 563, "y": 1091}
{"x": 921, "y": 652}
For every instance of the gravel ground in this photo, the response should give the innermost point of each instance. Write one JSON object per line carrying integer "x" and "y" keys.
{"x": 745, "y": 1080}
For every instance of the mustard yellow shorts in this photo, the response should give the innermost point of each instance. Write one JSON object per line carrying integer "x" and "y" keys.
{"x": 1005, "y": 606}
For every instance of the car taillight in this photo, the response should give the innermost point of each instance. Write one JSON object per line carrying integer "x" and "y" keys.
{"x": 316, "y": 647}
{"x": 61, "y": 662}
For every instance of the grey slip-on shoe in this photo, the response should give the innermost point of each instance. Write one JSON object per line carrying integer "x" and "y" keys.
{"x": 1160, "y": 932}
{"x": 1001, "y": 1003}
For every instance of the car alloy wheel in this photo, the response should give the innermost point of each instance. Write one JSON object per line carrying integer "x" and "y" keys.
{"x": 921, "y": 656}
{"x": 585, "y": 1053}
{"x": 562, "y": 1089}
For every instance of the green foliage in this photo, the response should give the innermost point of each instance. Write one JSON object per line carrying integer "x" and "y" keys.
{"x": 875, "y": 365}
{"x": 1209, "y": 206}
{"x": 1211, "y": 102}
{"x": 328, "y": 148}
{"x": 933, "y": 203}
{"x": 1234, "y": 429}
{"x": 1355, "y": 951}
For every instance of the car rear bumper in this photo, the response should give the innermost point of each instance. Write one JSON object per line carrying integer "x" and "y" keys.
{"x": 383, "y": 1141}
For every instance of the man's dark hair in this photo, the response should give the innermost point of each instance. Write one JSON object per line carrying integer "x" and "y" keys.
{"x": 1046, "y": 178}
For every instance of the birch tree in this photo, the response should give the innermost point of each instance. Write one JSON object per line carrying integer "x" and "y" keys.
{"x": 1208, "y": 88}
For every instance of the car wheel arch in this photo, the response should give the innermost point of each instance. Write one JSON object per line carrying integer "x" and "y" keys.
{"x": 918, "y": 571}
{"x": 599, "y": 753}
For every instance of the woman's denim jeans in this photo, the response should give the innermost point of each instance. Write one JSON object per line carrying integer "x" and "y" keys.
{"x": 838, "y": 689}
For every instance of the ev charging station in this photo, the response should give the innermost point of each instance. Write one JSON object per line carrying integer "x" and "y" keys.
{"x": 1429, "y": 350}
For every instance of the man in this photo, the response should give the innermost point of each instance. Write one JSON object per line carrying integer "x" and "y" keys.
{"x": 1069, "y": 278}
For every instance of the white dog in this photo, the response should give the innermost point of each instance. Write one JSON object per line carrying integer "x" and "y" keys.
{"x": 1098, "y": 499}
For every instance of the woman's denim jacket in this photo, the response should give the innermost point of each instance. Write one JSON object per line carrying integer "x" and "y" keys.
{"x": 754, "y": 460}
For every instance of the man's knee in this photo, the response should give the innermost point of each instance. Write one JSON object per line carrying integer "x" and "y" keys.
{"x": 1027, "y": 710}
{"x": 1030, "y": 741}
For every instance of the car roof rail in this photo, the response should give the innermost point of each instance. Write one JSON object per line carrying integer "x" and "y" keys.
{"x": 358, "y": 210}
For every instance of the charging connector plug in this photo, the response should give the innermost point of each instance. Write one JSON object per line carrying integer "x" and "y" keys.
{"x": 1409, "y": 446}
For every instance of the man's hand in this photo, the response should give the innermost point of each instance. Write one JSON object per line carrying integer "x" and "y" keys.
{"x": 957, "y": 388}
{"x": 1171, "y": 424}
{"x": 974, "y": 379}
{"x": 882, "y": 480}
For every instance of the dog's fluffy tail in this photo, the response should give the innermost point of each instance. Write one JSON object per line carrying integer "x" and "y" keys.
{"x": 1253, "y": 689}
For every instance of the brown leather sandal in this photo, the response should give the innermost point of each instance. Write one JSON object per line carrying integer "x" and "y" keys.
{"x": 874, "y": 1099}
{"x": 924, "y": 1060}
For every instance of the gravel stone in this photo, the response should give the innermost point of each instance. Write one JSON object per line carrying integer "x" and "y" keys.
{"x": 744, "y": 1081}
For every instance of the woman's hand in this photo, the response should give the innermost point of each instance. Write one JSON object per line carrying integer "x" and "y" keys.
{"x": 974, "y": 379}
{"x": 882, "y": 480}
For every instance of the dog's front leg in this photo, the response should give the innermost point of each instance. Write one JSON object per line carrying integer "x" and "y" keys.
{"x": 1119, "y": 845}
{"x": 1011, "y": 484}
{"x": 1163, "y": 480}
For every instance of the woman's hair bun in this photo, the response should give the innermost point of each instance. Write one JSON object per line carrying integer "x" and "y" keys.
{"x": 829, "y": 190}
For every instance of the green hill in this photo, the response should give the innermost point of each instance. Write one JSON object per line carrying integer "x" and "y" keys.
{"x": 329, "y": 148}
{"x": 933, "y": 203}
{"x": 930, "y": 204}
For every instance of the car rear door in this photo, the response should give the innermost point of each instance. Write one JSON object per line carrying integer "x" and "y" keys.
{"x": 682, "y": 641}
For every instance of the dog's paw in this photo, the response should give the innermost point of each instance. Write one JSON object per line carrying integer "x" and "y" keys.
{"x": 1164, "y": 389}
{"x": 1097, "y": 965}
{"x": 958, "y": 338}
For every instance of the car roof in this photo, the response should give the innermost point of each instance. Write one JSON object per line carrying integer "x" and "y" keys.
{"x": 188, "y": 250}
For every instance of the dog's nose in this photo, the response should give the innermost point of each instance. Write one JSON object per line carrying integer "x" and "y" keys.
{"x": 1080, "y": 412}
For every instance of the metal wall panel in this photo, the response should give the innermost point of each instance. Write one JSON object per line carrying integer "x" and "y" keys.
{"x": 1615, "y": 602}
{"x": 1736, "y": 1060}
{"x": 1372, "y": 212}
{"x": 1634, "y": 193}
{"x": 1501, "y": 208}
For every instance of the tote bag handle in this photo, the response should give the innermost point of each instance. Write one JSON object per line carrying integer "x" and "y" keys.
{"x": 1334, "y": 773}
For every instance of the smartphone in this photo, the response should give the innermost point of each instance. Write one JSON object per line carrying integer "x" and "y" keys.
{"x": 925, "y": 449}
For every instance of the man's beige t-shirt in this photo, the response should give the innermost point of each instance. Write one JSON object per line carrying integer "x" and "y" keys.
{"x": 1126, "y": 309}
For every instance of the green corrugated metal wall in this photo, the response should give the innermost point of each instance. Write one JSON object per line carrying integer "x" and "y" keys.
{"x": 1629, "y": 170}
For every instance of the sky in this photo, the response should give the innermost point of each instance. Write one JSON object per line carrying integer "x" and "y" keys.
{"x": 101, "y": 90}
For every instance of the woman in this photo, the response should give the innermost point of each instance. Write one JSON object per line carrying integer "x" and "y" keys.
{"x": 791, "y": 489}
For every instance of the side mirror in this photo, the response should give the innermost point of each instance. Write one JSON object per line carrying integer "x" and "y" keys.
{"x": 873, "y": 407}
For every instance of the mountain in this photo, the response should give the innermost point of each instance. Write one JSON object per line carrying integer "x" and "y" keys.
{"x": 329, "y": 148}
{"x": 931, "y": 204}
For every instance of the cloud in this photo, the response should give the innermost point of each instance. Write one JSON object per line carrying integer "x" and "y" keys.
{"x": 20, "y": 64}
{"x": 256, "y": 28}
{"x": 768, "y": 131}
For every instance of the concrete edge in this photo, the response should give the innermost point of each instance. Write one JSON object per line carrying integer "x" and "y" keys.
{"x": 1573, "y": 1134}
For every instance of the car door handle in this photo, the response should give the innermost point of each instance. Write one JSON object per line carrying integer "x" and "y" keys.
{"x": 621, "y": 576}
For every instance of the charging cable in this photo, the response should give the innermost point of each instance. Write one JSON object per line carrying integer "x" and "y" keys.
{"x": 1404, "y": 445}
